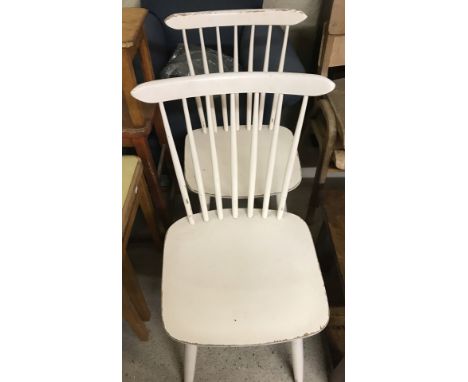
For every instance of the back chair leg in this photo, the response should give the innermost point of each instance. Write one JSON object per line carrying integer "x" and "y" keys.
{"x": 298, "y": 359}
{"x": 189, "y": 362}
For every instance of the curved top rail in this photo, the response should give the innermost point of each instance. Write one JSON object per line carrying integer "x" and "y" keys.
{"x": 170, "y": 89}
{"x": 206, "y": 19}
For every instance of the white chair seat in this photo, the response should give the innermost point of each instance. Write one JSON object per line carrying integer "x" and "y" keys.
{"x": 244, "y": 281}
{"x": 223, "y": 147}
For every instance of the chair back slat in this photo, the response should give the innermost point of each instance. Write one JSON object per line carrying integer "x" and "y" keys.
{"x": 271, "y": 162}
{"x": 214, "y": 163}
{"x": 250, "y": 69}
{"x": 210, "y": 106}
{"x": 234, "y": 175}
{"x": 232, "y": 84}
{"x": 196, "y": 162}
{"x": 274, "y": 109}
{"x": 177, "y": 166}
{"x": 253, "y": 158}
{"x": 221, "y": 70}
{"x": 198, "y": 101}
{"x": 266, "y": 61}
{"x": 241, "y": 17}
{"x": 236, "y": 70}
{"x": 292, "y": 156}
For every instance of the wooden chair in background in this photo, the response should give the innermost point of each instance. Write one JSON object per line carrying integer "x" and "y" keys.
{"x": 139, "y": 119}
{"x": 233, "y": 19}
{"x": 239, "y": 277}
{"x": 330, "y": 134}
{"x": 135, "y": 194}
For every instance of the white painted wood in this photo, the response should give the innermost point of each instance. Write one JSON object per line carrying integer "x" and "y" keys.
{"x": 250, "y": 69}
{"x": 271, "y": 164}
{"x": 253, "y": 158}
{"x": 215, "y": 166}
{"x": 266, "y": 62}
{"x": 198, "y": 101}
{"x": 244, "y": 281}
{"x": 224, "y": 18}
{"x": 274, "y": 109}
{"x": 170, "y": 89}
{"x": 243, "y": 143}
{"x": 210, "y": 106}
{"x": 292, "y": 154}
{"x": 221, "y": 70}
{"x": 297, "y": 349}
{"x": 234, "y": 174}
{"x": 190, "y": 361}
{"x": 236, "y": 70}
{"x": 196, "y": 163}
{"x": 177, "y": 166}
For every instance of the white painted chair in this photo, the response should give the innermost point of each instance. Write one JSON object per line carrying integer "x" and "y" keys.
{"x": 233, "y": 19}
{"x": 239, "y": 277}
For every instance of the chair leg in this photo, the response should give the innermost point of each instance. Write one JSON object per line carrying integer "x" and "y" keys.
{"x": 133, "y": 318}
{"x": 189, "y": 363}
{"x": 298, "y": 359}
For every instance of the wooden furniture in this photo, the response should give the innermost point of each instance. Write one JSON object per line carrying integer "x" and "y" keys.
{"x": 333, "y": 203}
{"x": 238, "y": 277}
{"x": 331, "y": 108}
{"x": 135, "y": 194}
{"x": 138, "y": 119}
{"x": 234, "y": 19}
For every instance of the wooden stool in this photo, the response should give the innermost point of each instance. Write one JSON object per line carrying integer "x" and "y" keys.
{"x": 138, "y": 119}
{"x": 135, "y": 194}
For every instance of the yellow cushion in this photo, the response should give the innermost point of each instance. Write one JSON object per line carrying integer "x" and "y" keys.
{"x": 129, "y": 166}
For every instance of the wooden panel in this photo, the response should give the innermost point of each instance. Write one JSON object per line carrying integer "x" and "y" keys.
{"x": 336, "y": 24}
{"x": 132, "y": 22}
{"x": 337, "y": 56}
{"x": 192, "y": 20}
{"x": 170, "y": 89}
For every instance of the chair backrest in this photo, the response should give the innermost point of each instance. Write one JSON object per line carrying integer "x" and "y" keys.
{"x": 234, "y": 19}
{"x": 232, "y": 84}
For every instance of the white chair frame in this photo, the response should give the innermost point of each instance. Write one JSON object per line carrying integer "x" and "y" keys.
{"x": 235, "y": 18}
{"x": 306, "y": 85}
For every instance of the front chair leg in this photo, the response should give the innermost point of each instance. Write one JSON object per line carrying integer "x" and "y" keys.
{"x": 298, "y": 359}
{"x": 189, "y": 362}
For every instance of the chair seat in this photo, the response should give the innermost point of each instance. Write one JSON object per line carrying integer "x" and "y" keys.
{"x": 244, "y": 281}
{"x": 223, "y": 148}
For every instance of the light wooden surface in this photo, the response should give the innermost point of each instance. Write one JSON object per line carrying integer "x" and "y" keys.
{"x": 244, "y": 281}
{"x": 171, "y": 89}
{"x": 336, "y": 24}
{"x": 239, "y": 17}
{"x": 132, "y": 23}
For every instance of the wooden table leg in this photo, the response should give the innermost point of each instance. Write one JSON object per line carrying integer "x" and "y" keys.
{"x": 132, "y": 286}
{"x": 149, "y": 213}
{"x": 151, "y": 175}
{"x": 146, "y": 63}
{"x": 134, "y": 106}
{"x": 131, "y": 316}
{"x": 324, "y": 160}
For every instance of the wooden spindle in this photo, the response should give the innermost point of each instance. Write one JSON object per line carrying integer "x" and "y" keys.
{"x": 253, "y": 158}
{"x": 196, "y": 163}
{"x": 234, "y": 175}
{"x": 274, "y": 109}
{"x": 271, "y": 163}
{"x": 292, "y": 157}
{"x": 236, "y": 69}
{"x": 177, "y": 166}
{"x": 221, "y": 70}
{"x": 215, "y": 166}
{"x": 266, "y": 62}
{"x": 250, "y": 69}
{"x": 198, "y": 101}
{"x": 210, "y": 107}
